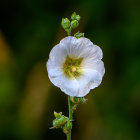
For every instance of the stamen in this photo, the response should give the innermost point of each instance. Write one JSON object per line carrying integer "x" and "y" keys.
{"x": 72, "y": 67}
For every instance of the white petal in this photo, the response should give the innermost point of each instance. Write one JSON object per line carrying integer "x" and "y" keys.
{"x": 72, "y": 45}
{"x": 94, "y": 65}
{"x": 90, "y": 80}
{"x": 68, "y": 41}
{"x": 89, "y": 50}
{"x": 81, "y": 47}
{"x": 53, "y": 70}
{"x": 68, "y": 86}
{"x": 57, "y": 55}
{"x": 85, "y": 41}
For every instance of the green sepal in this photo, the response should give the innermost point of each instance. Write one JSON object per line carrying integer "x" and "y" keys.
{"x": 77, "y": 100}
{"x": 74, "y": 106}
{"x": 78, "y": 35}
{"x": 57, "y": 115}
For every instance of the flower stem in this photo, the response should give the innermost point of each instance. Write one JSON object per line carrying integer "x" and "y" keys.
{"x": 69, "y": 102}
{"x": 70, "y": 117}
{"x": 69, "y": 31}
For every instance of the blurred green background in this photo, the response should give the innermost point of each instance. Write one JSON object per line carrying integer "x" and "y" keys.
{"x": 28, "y": 31}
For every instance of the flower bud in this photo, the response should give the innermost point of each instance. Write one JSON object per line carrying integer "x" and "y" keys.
{"x": 73, "y": 16}
{"x": 65, "y": 23}
{"x": 74, "y": 24}
{"x": 77, "y": 17}
{"x": 60, "y": 122}
{"x": 78, "y": 35}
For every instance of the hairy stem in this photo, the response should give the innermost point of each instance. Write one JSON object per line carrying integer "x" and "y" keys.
{"x": 70, "y": 117}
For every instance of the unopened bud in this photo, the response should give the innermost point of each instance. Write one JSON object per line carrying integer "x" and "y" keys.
{"x": 74, "y": 24}
{"x": 60, "y": 122}
{"x": 65, "y": 23}
{"x": 75, "y": 17}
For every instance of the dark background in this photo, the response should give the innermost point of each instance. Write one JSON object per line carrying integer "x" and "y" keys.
{"x": 28, "y": 31}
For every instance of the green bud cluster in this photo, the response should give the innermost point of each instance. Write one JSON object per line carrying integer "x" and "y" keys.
{"x": 62, "y": 121}
{"x": 69, "y": 25}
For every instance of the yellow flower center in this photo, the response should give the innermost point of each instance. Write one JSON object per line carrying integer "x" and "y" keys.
{"x": 72, "y": 67}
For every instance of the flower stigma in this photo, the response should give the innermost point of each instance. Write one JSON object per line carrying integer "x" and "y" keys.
{"x": 72, "y": 67}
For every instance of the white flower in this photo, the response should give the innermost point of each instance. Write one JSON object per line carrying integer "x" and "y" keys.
{"x": 75, "y": 66}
